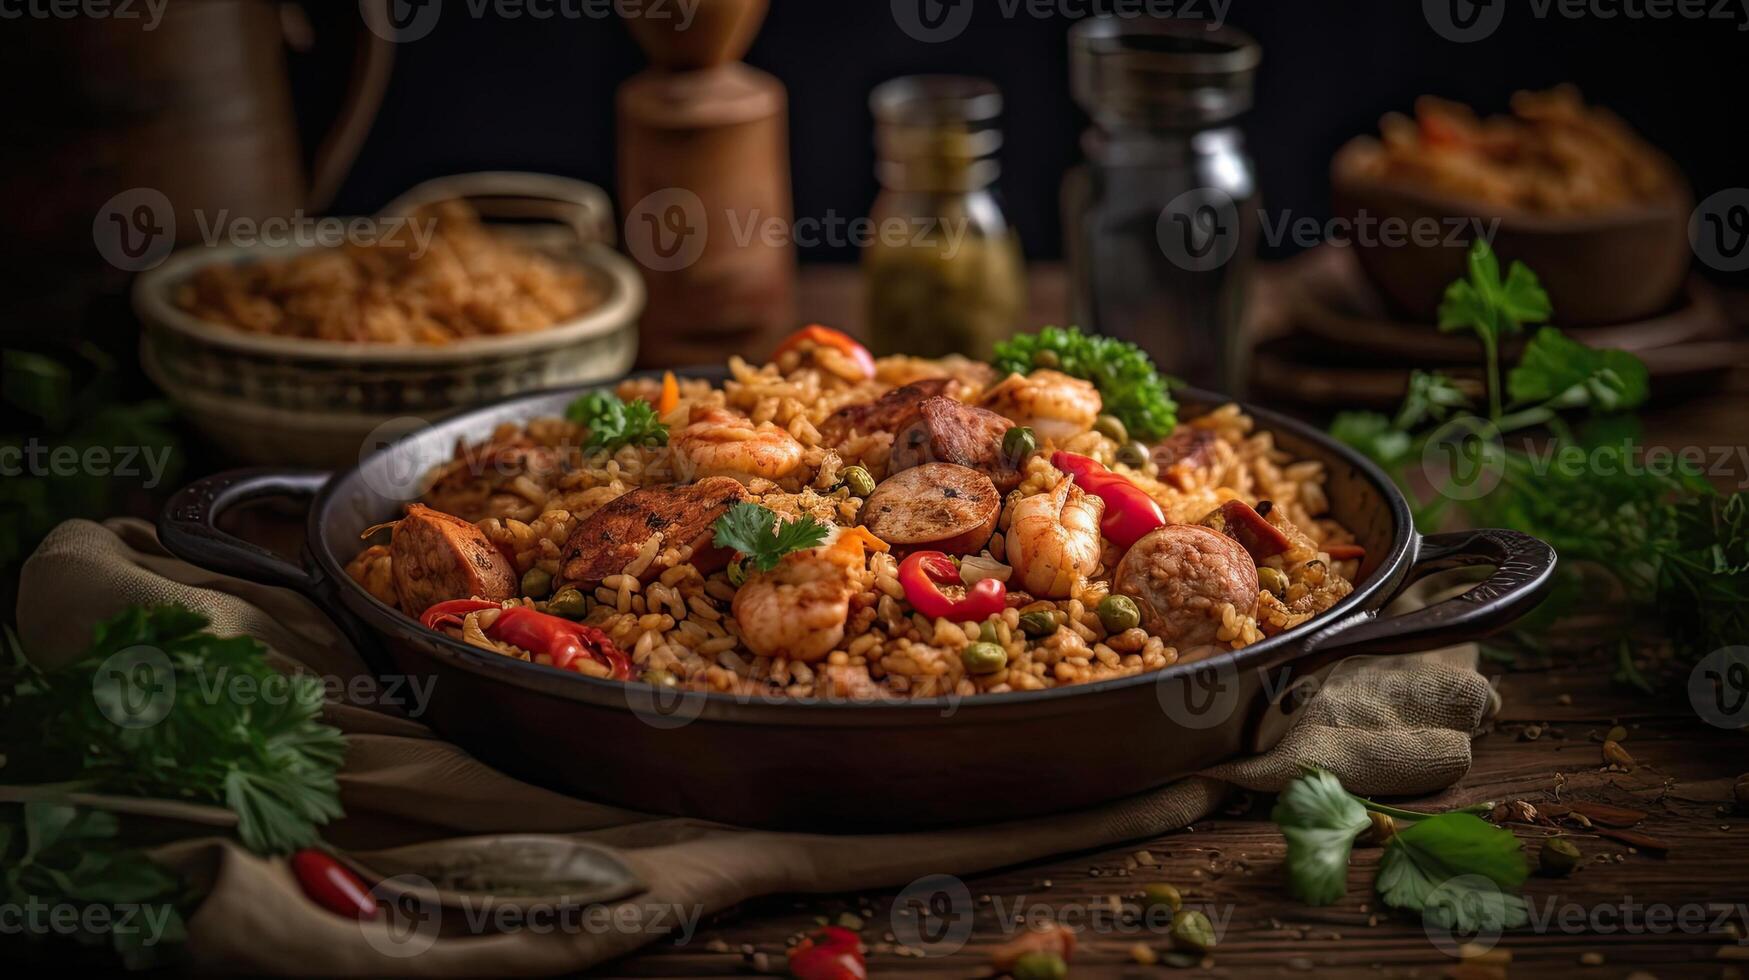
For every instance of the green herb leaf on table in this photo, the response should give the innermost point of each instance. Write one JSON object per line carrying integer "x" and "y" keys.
{"x": 756, "y": 533}
{"x": 208, "y": 720}
{"x": 1373, "y": 435}
{"x": 1459, "y": 871}
{"x": 614, "y": 424}
{"x": 1569, "y": 374}
{"x": 1132, "y": 389}
{"x": 1492, "y": 306}
{"x": 1320, "y": 821}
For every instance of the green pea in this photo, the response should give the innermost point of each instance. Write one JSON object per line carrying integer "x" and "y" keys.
{"x": 1119, "y": 613}
{"x": 1039, "y": 966}
{"x": 1038, "y": 624}
{"x": 569, "y": 603}
{"x": 1112, "y": 427}
{"x": 1162, "y": 896}
{"x": 659, "y": 678}
{"x": 987, "y": 632}
{"x": 737, "y": 573}
{"x": 1047, "y": 359}
{"x": 1133, "y": 455}
{"x": 1272, "y": 580}
{"x": 858, "y": 481}
{"x": 1191, "y": 930}
{"x": 537, "y": 583}
{"x": 1019, "y": 442}
{"x": 983, "y": 658}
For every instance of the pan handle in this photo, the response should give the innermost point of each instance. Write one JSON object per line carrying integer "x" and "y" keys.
{"x": 1523, "y": 569}
{"x": 189, "y": 526}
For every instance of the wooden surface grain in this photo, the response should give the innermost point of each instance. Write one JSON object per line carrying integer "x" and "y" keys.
{"x": 1628, "y": 912}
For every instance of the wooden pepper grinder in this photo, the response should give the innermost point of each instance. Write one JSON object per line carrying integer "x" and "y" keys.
{"x": 704, "y": 180}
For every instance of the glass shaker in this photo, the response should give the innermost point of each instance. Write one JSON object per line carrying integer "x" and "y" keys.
{"x": 1161, "y": 222}
{"x": 942, "y": 267}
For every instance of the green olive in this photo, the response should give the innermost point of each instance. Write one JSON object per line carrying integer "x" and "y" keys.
{"x": 569, "y": 603}
{"x": 1038, "y": 624}
{"x": 1119, "y": 613}
{"x": 857, "y": 481}
{"x": 1047, "y": 359}
{"x": 1019, "y": 443}
{"x": 537, "y": 583}
{"x": 1162, "y": 896}
{"x": 983, "y": 658}
{"x": 659, "y": 678}
{"x": 1191, "y": 930}
{"x": 1133, "y": 455}
{"x": 1039, "y": 966}
{"x": 1112, "y": 427}
{"x": 1273, "y": 580}
{"x": 737, "y": 573}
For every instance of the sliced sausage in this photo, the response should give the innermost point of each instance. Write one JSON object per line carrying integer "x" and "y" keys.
{"x": 888, "y": 413}
{"x": 436, "y": 557}
{"x": 1184, "y": 455}
{"x": 1239, "y": 521}
{"x": 607, "y": 542}
{"x": 934, "y": 507}
{"x": 946, "y": 431}
{"x": 1180, "y": 575}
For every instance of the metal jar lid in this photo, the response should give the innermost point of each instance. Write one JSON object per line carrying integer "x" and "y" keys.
{"x": 936, "y": 129}
{"x": 1146, "y": 72}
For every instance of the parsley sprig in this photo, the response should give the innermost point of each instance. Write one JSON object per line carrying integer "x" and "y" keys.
{"x": 1459, "y": 871}
{"x": 614, "y": 424}
{"x": 1680, "y": 550}
{"x": 761, "y": 539}
{"x": 231, "y": 731}
{"x": 1128, "y": 383}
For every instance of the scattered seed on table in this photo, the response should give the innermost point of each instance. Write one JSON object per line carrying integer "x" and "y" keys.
{"x": 1616, "y": 734}
{"x": 1591, "y": 959}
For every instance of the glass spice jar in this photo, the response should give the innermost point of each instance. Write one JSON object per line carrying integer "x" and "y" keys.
{"x": 1160, "y": 223}
{"x": 943, "y": 268}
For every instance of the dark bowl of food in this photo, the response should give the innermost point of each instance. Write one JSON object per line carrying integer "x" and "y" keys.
{"x": 841, "y": 594}
{"x": 1566, "y": 189}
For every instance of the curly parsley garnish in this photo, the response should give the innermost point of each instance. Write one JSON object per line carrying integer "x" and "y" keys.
{"x": 1128, "y": 383}
{"x": 613, "y": 424}
{"x": 754, "y": 531}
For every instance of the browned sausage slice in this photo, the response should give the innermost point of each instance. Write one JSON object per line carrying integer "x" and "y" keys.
{"x": 888, "y": 413}
{"x": 436, "y": 557}
{"x": 946, "y": 431}
{"x": 1180, "y": 575}
{"x": 607, "y": 542}
{"x": 1239, "y": 521}
{"x": 934, "y": 507}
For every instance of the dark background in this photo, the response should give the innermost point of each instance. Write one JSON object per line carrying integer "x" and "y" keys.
{"x": 530, "y": 94}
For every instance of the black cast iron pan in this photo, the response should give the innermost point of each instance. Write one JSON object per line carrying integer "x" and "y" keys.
{"x": 837, "y": 766}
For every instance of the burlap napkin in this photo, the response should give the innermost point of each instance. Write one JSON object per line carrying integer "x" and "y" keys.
{"x": 1398, "y": 726}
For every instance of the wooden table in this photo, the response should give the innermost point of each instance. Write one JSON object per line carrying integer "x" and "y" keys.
{"x": 1544, "y": 746}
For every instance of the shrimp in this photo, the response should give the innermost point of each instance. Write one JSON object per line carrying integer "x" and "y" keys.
{"x": 799, "y": 609}
{"x": 1053, "y": 539}
{"x": 1055, "y": 405}
{"x": 721, "y": 443}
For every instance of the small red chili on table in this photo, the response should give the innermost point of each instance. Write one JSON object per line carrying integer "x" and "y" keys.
{"x": 1130, "y": 514}
{"x": 332, "y": 885}
{"x": 924, "y": 573}
{"x": 542, "y": 634}
{"x": 833, "y": 953}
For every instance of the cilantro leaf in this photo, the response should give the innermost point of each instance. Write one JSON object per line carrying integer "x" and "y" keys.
{"x": 1320, "y": 821}
{"x": 1132, "y": 389}
{"x": 613, "y": 424}
{"x": 1432, "y": 396}
{"x": 1374, "y": 435}
{"x": 1556, "y": 368}
{"x": 1459, "y": 871}
{"x": 1490, "y": 306}
{"x": 754, "y": 531}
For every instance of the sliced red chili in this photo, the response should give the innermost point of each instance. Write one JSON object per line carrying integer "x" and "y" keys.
{"x": 332, "y": 885}
{"x": 923, "y": 573}
{"x": 833, "y": 953}
{"x": 1345, "y": 552}
{"x": 1239, "y": 521}
{"x": 838, "y": 340}
{"x": 555, "y": 637}
{"x": 1130, "y": 514}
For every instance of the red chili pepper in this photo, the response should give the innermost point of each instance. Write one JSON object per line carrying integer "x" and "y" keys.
{"x": 838, "y": 340}
{"x": 332, "y": 885}
{"x": 1241, "y": 522}
{"x": 1345, "y": 552}
{"x": 833, "y": 953}
{"x": 558, "y": 638}
{"x": 1130, "y": 514}
{"x": 923, "y": 574}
